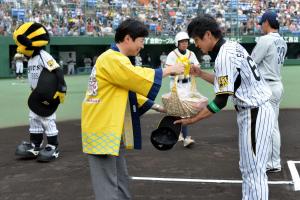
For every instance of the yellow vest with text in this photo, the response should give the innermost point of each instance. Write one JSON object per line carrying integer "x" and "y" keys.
{"x": 107, "y": 114}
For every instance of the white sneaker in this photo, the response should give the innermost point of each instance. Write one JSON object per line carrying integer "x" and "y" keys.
{"x": 180, "y": 138}
{"x": 188, "y": 141}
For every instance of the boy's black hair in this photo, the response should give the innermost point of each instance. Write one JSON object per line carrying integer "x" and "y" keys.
{"x": 131, "y": 27}
{"x": 199, "y": 25}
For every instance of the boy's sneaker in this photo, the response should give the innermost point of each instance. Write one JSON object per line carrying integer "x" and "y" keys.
{"x": 27, "y": 150}
{"x": 180, "y": 138}
{"x": 188, "y": 141}
{"x": 49, "y": 153}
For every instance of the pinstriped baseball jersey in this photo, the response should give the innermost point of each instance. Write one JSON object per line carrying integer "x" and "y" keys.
{"x": 237, "y": 74}
{"x": 36, "y": 65}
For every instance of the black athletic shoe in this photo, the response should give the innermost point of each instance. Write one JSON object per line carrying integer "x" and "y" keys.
{"x": 27, "y": 150}
{"x": 274, "y": 170}
{"x": 48, "y": 154}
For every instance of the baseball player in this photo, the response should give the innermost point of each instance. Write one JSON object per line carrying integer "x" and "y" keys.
{"x": 71, "y": 64}
{"x": 19, "y": 58}
{"x": 30, "y": 38}
{"x": 237, "y": 76}
{"x": 179, "y": 55}
{"x": 269, "y": 54}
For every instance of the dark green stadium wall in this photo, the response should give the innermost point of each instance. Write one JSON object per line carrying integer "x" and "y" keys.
{"x": 92, "y": 46}
{"x": 5, "y": 43}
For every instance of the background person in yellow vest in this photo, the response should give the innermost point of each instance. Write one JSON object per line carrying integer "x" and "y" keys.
{"x": 118, "y": 93}
{"x": 182, "y": 55}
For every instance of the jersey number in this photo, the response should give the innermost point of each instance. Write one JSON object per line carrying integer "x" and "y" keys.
{"x": 280, "y": 51}
{"x": 253, "y": 68}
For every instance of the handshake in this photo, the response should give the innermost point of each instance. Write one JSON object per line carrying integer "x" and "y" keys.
{"x": 182, "y": 68}
{"x": 176, "y": 69}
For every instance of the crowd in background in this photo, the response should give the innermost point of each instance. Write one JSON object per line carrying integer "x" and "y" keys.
{"x": 163, "y": 17}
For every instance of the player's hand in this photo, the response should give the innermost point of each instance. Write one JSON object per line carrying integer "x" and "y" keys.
{"x": 159, "y": 108}
{"x": 195, "y": 70}
{"x": 60, "y": 95}
{"x": 186, "y": 121}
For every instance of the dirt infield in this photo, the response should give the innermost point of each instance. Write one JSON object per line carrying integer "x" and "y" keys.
{"x": 214, "y": 156}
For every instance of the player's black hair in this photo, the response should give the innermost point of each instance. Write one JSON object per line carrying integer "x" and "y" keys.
{"x": 274, "y": 25}
{"x": 131, "y": 27}
{"x": 199, "y": 25}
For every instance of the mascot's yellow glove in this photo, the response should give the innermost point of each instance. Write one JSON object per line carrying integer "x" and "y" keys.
{"x": 62, "y": 87}
{"x": 60, "y": 95}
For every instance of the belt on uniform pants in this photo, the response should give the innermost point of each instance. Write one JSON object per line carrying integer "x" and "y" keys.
{"x": 239, "y": 108}
{"x": 270, "y": 80}
{"x": 185, "y": 80}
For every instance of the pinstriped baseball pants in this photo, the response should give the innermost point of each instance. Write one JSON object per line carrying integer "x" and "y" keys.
{"x": 255, "y": 129}
{"x": 274, "y": 156}
{"x": 38, "y": 124}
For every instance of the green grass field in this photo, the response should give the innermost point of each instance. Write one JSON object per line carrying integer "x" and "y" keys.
{"x": 14, "y": 94}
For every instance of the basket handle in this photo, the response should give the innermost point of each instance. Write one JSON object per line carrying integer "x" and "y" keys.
{"x": 187, "y": 65}
{"x": 193, "y": 84}
{"x": 184, "y": 60}
{"x": 174, "y": 88}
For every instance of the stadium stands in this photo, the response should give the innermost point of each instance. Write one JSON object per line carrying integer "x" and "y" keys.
{"x": 164, "y": 17}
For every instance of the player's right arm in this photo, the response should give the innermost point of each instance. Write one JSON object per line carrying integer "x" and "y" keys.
{"x": 260, "y": 50}
{"x": 223, "y": 83}
{"x": 198, "y": 72}
{"x": 214, "y": 106}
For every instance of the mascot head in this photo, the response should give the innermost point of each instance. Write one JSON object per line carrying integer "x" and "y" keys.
{"x": 30, "y": 37}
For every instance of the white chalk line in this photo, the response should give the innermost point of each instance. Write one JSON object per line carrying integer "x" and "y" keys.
{"x": 217, "y": 181}
{"x": 19, "y": 83}
{"x": 294, "y": 174}
{"x": 291, "y": 164}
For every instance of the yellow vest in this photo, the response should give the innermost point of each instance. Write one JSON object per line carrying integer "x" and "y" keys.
{"x": 106, "y": 112}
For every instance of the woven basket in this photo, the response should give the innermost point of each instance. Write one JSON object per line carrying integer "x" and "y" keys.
{"x": 184, "y": 107}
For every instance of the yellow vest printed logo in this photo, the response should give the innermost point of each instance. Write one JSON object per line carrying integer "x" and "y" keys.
{"x": 93, "y": 84}
{"x": 223, "y": 81}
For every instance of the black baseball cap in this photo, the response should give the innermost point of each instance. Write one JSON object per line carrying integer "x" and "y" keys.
{"x": 41, "y": 100}
{"x": 42, "y": 104}
{"x": 166, "y": 135}
{"x": 271, "y": 17}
